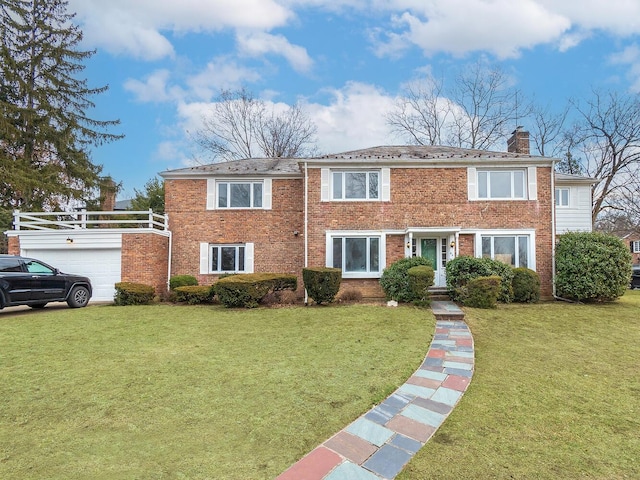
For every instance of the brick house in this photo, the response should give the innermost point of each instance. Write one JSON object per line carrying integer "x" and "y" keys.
{"x": 633, "y": 240}
{"x": 363, "y": 210}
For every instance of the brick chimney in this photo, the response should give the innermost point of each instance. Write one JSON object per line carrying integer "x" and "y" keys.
{"x": 108, "y": 189}
{"x": 518, "y": 142}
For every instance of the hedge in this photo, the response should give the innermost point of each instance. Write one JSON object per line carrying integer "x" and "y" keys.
{"x": 322, "y": 283}
{"x": 129, "y": 293}
{"x": 395, "y": 279}
{"x": 247, "y": 290}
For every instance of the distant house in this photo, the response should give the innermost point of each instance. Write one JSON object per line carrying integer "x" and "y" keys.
{"x": 633, "y": 240}
{"x": 363, "y": 210}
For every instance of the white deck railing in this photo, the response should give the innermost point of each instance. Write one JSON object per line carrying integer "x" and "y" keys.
{"x": 83, "y": 219}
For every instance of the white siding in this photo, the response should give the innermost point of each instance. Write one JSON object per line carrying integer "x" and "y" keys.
{"x": 577, "y": 216}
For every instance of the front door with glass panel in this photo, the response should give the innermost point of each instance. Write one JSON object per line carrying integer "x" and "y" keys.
{"x": 434, "y": 250}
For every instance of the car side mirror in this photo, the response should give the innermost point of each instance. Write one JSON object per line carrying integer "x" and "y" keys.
{"x": 56, "y": 271}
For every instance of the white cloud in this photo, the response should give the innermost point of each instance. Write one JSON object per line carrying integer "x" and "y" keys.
{"x": 154, "y": 88}
{"x": 133, "y": 27}
{"x": 354, "y": 118}
{"x": 630, "y": 57}
{"x": 502, "y": 27}
{"x": 220, "y": 73}
{"x": 257, "y": 44}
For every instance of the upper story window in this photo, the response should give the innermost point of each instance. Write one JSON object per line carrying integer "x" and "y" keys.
{"x": 355, "y": 185}
{"x": 241, "y": 194}
{"x": 501, "y": 184}
{"x": 562, "y": 197}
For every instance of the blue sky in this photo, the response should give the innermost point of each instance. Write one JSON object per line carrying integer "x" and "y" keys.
{"x": 345, "y": 61}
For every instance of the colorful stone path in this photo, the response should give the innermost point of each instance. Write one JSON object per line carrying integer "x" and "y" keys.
{"x": 381, "y": 442}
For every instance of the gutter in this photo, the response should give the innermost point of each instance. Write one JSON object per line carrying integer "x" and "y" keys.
{"x": 553, "y": 230}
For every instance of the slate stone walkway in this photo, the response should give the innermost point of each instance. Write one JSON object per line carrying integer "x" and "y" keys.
{"x": 381, "y": 442}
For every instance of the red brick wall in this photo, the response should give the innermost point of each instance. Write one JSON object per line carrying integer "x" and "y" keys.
{"x": 13, "y": 246}
{"x": 276, "y": 248}
{"x": 429, "y": 197}
{"x": 433, "y": 197}
{"x": 145, "y": 258}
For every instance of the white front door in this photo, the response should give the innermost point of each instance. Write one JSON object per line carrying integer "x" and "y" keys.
{"x": 435, "y": 250}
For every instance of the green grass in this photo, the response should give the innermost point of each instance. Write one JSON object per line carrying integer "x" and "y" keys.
{"x": 555, "y": 395}
{"x": 168, "y": 392}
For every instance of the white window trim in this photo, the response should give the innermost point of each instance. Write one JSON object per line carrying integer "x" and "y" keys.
{"x": 205, "y": 260}
{"x": 382, "y": 259}
{"x": 559, "y": 197}
{"x": 635, "y": 246}
{"x": 507, "y": 233}
{"x": 384, "y": 184}
{"x": 530, "y": 184}
{"x": 212, "y": 192}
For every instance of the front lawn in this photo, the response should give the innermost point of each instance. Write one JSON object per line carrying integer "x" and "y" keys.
{"x": 168, "y": 392}
{"x": 555, "y": 395}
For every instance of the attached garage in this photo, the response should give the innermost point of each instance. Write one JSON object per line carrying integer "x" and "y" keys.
{"x": 96, "y": 255}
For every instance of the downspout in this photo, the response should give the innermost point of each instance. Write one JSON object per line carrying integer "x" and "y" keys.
{"x": 306, "y": 225}
{"x": 166, "y": 227}
{"x": 553, "y": 230}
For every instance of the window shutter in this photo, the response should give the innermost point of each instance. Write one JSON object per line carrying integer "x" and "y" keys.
{"x": 204, "y": 258}
{"x": 631, "y": 245}
{"x": 472, "y": 183}
{"x": 248, "y": 257}
{"x": 266, "y": 192}
{"x": 211, "y": 194}
{"x": 386, "y": 184}
{"x": 532, "y": 177}
{"x": 325, "y": 175}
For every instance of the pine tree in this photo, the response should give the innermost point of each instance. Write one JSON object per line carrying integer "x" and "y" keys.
{"x": 45, "y": 133}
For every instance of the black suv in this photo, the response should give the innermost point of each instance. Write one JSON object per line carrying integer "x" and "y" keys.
{"x": 26, "y": 281}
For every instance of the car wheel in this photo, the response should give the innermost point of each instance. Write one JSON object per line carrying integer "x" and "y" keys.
{"x": 38, "y": 305}
{"x": 79, "y": 297}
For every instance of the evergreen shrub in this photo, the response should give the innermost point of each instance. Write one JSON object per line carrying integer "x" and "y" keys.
{"x": 395, "y": 279}
{"x": 461, "y": 270}
{"x": 129, "y": 293}
{"x": 194, "y": 294}
{"x": 182, "y": 281}
{"x": 248, "y": 290}
{"x": 526, "y": 285}
{"x": 591, "y": 267}
{"x": 322, "y": 283}
{"x": 420, "y": 279}
{"x": 482, "y": 292}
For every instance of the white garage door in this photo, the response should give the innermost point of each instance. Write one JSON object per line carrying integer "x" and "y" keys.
{"x": 102, "y": 266}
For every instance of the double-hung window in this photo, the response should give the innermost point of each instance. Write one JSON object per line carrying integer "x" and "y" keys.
{"x": 635, "y": 246}
{"x": 239, "y": 195}
{"x": 226, "y": 258}
{"x": 501, "y": 184}
{"x": 513, "y": 250}
{"x": 562, "y": 197}
{"x": 356, "y": 185}
{"x": 358, "y": 256}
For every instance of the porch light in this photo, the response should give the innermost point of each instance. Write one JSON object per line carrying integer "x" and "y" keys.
{"x": 408, "y": 244}
{"x": 69, "y": 240}
{"x": 452, "y": 244}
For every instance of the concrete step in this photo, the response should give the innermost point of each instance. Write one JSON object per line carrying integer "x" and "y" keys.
{"x": 446, "y": 310}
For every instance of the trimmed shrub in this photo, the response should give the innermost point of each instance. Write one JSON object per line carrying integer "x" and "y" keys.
{"x": 482, "y": 292}
{"x": 182, "y": 281}
{"x": 526, "y": 285}
{"x": 322, "y": 283}
{"x": 463, "y": 269}
{"x": 194, "y": 294}
{"x": 591, "y": 267}
{"x": 248, "y": 290}
{"x": 420, "y": 279}
{"x": 395, "y": 279}
{"x": 129, "y": 293}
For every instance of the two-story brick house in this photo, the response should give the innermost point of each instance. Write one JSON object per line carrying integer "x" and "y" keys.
{"x": 363, "y": 210}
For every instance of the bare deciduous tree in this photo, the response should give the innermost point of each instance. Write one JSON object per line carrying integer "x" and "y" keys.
{"x": 609, "y": 137}
{"x": 421, "y": 113}
{"x": 478, "y": 111}
{"x": 242, "y": 126}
